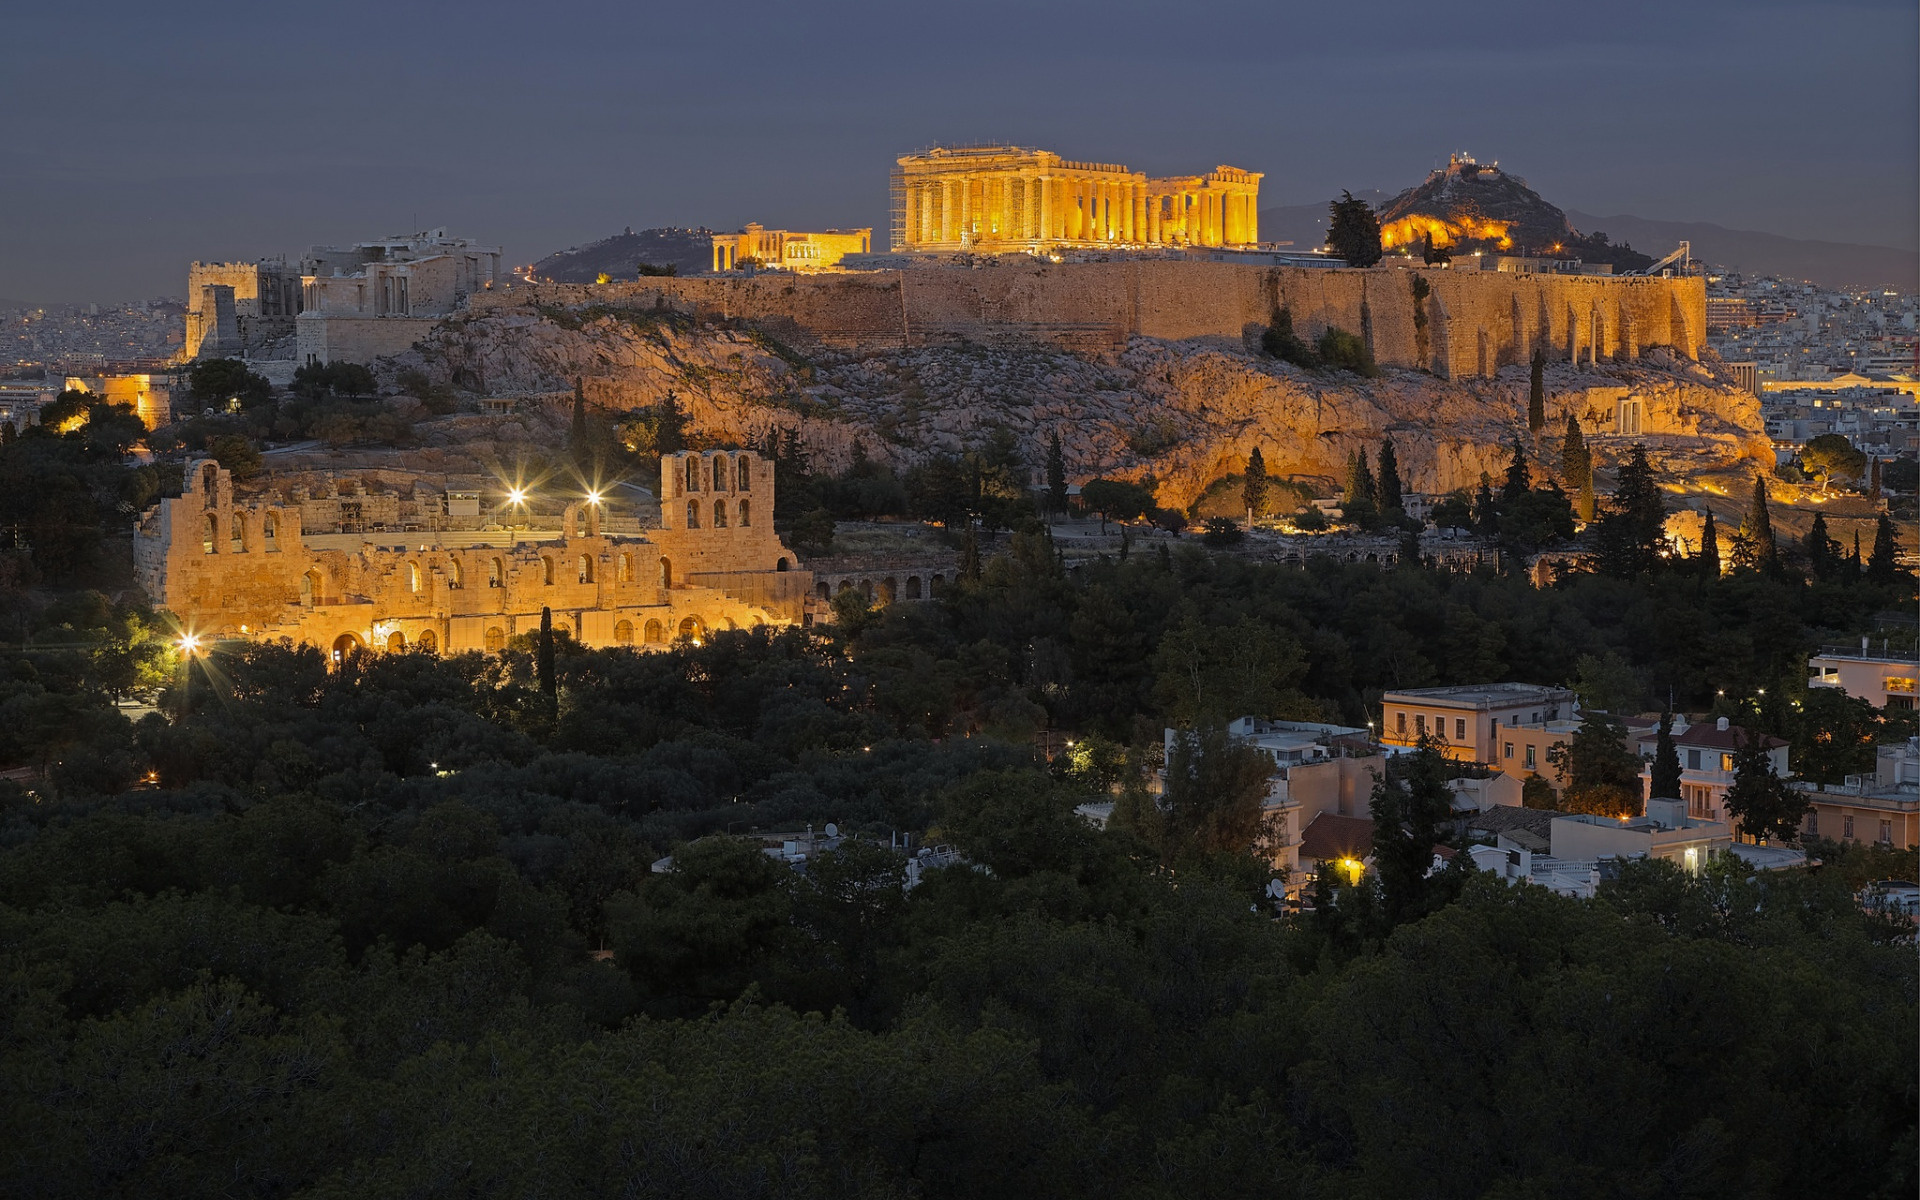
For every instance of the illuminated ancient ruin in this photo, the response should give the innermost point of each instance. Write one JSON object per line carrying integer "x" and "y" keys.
{"x": 297, "y": 566}
{"x": 787, "y": 250}
{"x": 954, "y": 198}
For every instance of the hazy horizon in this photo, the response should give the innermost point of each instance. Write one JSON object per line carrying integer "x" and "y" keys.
{"x": 143, "y": 140}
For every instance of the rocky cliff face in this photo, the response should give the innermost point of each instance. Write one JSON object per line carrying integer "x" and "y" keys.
{"x": 1183, "y": 412}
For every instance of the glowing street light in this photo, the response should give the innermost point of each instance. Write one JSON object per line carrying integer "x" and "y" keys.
{"x": 188, "y": 643}
{"x": 516, "y": 496}
{"x": 593, "y": 497}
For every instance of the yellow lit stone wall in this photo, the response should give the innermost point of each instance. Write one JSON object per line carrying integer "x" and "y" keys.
{"x": 228, "y": 568}
{"x": 786, "y": 249}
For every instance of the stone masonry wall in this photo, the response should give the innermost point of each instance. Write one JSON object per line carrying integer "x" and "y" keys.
{"x": 1469, "y": 323}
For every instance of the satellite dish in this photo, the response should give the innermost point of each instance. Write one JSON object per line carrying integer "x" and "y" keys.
{"x": 832, "y": 829}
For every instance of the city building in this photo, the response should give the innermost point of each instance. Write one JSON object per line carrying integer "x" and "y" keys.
{"x": 351, "y": 572}
{"x": 1665, "y": 831}
{"x": 237, "y": 309}
{"x": 20, "y": 404}
{"x": 1883, "y": 807}
{"x": 953, "y": 198}
{"x": 1475, "y": 722}
{"x": 1884, "y": 680}
{"x": 1707, "y": 764}
{"x": 788, "y": 251}
{"x": 149, "y": 395}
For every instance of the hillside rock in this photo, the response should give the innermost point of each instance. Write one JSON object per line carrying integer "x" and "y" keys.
{"x": 1185, "y": 413}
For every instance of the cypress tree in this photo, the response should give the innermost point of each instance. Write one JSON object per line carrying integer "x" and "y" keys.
{"x": 970, "y": 555}
{"x": 1576, "y": 467}
{"x": 1486, "y": 519}
{"x": 577, "y": 438}
{"x": 1254, "y": 490}
{"x": 1709, "y": 561}
{"x": 1519, "y": 479}
{"x": 1537, "y": 393}
{"x": 1666, "y": 763}
{"x": 1392, "y": 494}
{"x": 1056, "y": 475}
{"x": 543, "y": 659}
{"x": 1882, "y": 567}
{"x": 1360, "y": 504}
{"x": 1823, "y": 553}
{"x": 1758, "y": 531}
{"x": 1637, "y": 497}
{"x": 1853, "y": 560}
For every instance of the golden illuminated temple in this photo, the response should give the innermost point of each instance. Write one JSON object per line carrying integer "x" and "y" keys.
{"x": 1012, "y": 198}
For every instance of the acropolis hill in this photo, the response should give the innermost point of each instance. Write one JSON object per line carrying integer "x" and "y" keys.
{"x": 1144, "y": 365}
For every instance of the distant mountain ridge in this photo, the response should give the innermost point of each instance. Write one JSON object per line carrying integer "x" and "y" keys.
{"x": 688, "y": 251}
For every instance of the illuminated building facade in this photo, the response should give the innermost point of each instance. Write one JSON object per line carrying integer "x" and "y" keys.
{"x": 954, "y": 198}
{"x": 787, "y": 250}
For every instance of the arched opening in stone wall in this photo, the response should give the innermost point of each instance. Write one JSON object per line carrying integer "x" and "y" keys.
{"x": 269, "y": 533}
{"x": 427, "y": 641}
{"x": 495, "y": 639}
{"x": 413, "y": 577}
{"x": 746, "y": 512}
{"x": 913, "y": 587}
{"x": 209, "y": 534}
{"x": 935, "y": 584}
{"x": 396, "y": 642}
{"x": 666, "y": 573}
{"x": 693, "y": 474}
{"x": 346, "y": 646}
{"x": 719, "y": 472}
{"x": 693, "y": 514}
{"x": 888, "y": 589}
{"x": 746, "y": 474}
{"x": 496, "y": 573}
{"x": 654, "y": 633}
{"x": 313, "y": 587}
{"x": 626, "y": 568}
{"x": 210, "y": 484}
{"x": 825, "y": 589}
{"x": 546, "y": 569}
{"x": 623, "y": 633}
{"x": 586, "y": 568}
{"x": 693, "y": 629}
{"x": 866, "y": 589}
{"x": 456, "y": 574}
{"x": 719, "y": 514}
{"x": 783, "y": 565}
{"x": 237, "y": 534}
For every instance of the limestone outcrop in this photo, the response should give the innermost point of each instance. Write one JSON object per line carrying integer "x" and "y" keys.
{"x": 1185, "y": 412}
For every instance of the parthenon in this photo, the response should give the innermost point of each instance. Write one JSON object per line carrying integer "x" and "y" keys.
{"x": 1010, "y": 197}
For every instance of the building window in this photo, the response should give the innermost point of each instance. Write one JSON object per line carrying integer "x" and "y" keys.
{"x": 1420, "y": 724}
{"x": 693, "y": 514}
{"x": 1813, "y": 822}
{"x": 746, "y": 512}
{"x": 1399, "y": 722}
{"x": 1693, "y": 760}
{"x": 1846, "y": 827}
{"x": 1460, "y": 729}
{"x": 1507, "y": 750}
{"x": 719, "y": 514}
{"x": 720, "y": 473}
{"x": 1886, "y": 833}
{"x": 1726, "y": 762}
{"x": 746, "y": 475}
{"x": 693, "y": 474}
{"x": 1530, "y": 764}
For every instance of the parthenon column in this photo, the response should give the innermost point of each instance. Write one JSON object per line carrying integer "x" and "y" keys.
{"x": 1046, "y": 208}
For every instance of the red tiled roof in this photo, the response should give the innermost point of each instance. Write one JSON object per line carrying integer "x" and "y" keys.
{"x": 1328, "y": 837}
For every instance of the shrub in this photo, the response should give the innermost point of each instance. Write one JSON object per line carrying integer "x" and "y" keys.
{"x": 1222, "y": 532}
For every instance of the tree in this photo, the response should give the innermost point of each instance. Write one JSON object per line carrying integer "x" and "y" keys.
{"x": 1118, "y": 499}
{"x": 1056, "y": 475}
{"x": 1254, "y": 490}
{"x": 578, "y": 438}
{"x": 1537, "y": 392}
{"x": 1410, "y": 806}
{"x": 1602, "y": 775}
{"x": 1221, "y": 532}
{"x": 1576, "y": 467}
{"x": 1519, "y": 479}
{"x": 1486, "y": 514}
{"x": 1392, "y": 497}
{"x": 1360, "y": 504}
{"x": 1633, "y": 531}
{"x": 1353, "y": 231}
{"x": 1823, "y": 553}
{"x": 1281, "y": 342}
{"x": 1758, "y": 800}
{"x": 1213, "y": 674}
{"x": 1666, "y": 763}
{"x": 544, "y": 662}
{"x": 1834, "y": 736}
{"x": 1832, "y": 457}
{"x": 1756, "y": 549}
{"x": 1883, "y": 567}
{"x": 1707, "y": 562}
{"x": 236, "y": 454}
{"x": 217, "y": 380}
{"x": 1216, "y": 787}
{"x": 1342, "y": 351}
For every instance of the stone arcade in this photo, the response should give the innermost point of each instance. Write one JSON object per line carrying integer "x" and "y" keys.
{"x": 233, "y": 568}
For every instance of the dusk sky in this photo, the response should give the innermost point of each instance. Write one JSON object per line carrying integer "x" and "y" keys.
{"x": 138, "y": 137}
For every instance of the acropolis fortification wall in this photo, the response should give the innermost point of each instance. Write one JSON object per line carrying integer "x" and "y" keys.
{"x": 1458, "y": 324}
